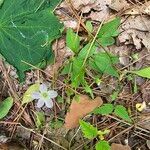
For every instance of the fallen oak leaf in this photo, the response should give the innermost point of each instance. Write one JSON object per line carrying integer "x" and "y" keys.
{"x": 79, "y": 109}
{"x": 115, "y": 146}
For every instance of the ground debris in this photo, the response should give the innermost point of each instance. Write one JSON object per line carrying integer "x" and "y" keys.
{"x": 135, "y": 30}
{"x": 115, "y": 146}
{"x": 78, "y": 110}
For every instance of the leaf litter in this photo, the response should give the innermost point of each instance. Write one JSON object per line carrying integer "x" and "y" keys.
{"x": 78, "y": 110}
{"x": 132, "y": 48}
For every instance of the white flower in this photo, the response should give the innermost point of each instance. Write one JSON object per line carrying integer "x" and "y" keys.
{"x": 44, "y": 96}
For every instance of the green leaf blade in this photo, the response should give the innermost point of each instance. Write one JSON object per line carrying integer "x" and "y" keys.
{"x": 145, "y": 73}
{"x": 72, "y": 41}
{"x": 27, "y": 96}
{"x": 106, "y": 109}
{"x": 103, "y": 145}
{"x": 107, "y": 41}
{"x": 121, "y": 112}
{"x": 5, "y": 106}
{"x": 105, "y": 63}
{"x": 109, "y": 29}
{"x": 88, "y": 130}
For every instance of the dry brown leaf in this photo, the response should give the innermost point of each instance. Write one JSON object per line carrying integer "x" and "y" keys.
{"x": 98, "y": 10}
{"x": 135, "y": 30}
{"x": 115, "y": 146}
{"x": 3, "y": 147}
{"x": 118, "y": 4}
{"x": 142, "y": 9}
{"x": 79, "y": 109}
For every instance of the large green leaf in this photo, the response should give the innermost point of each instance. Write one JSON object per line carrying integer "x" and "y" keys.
{"x": 26, "y": 30}
{"x": 5, "y": 107}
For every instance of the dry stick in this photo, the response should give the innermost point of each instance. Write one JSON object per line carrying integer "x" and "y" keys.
{"x": 140, "y": 133}
{"x": 136, "y": 125}
{"x": 41, "y": 140}
{"x": 35, "y": 132}
{"x": 16, "y": 97}
{"x": 135, "y": 61}
{"x": 73, "y": 138}
{"x": 121, "y": 133}
{"x": 88, "y": 52}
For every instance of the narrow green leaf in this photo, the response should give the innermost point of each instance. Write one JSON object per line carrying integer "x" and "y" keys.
{"x": 67, "y": 68}
{"x": 27, "y": 96}
{"x": 40, "y": 119}
{"x": 88, "y": 130}
{"x": 89, "y": 26}
{"x": 121, "y": 112}
{"x": 5, "y": 106}
{"x": 77, "y": 74}
{"x": 82, "y": 54}
{"x": 88, "y": 90}
{"x": 106, "y": 109}
{"x": 103, "y": 145}
{"x": 72, "y": 41}
{"x": 143, "y": 72}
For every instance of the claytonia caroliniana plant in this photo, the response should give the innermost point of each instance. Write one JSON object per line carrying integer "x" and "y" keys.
{"x": 44, "y": 96}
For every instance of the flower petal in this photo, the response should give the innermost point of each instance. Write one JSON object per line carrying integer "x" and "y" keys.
{"x": 52, "y": 94}
{"x": 35, "y": 95}
{"x": 49, "y": 103}
{"x": 40, "y": 103}
{"x": 43, "y": 88}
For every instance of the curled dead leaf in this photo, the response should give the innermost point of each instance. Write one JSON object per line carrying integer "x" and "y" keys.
{"x": 79, "y": 109}
{"x": 115, "y": 146}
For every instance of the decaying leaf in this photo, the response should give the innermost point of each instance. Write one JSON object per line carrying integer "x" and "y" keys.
{"x": 98, "y": 9}
{"x": 136, "y": 31}
{"x": 118, "y": 4}
{"x": 115, "y": 146}
{"x": 142, "y": 9}
{"x": 79, "y": 109}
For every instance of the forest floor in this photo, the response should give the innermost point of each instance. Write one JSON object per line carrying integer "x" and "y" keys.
{"x": 98, "y": 103}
